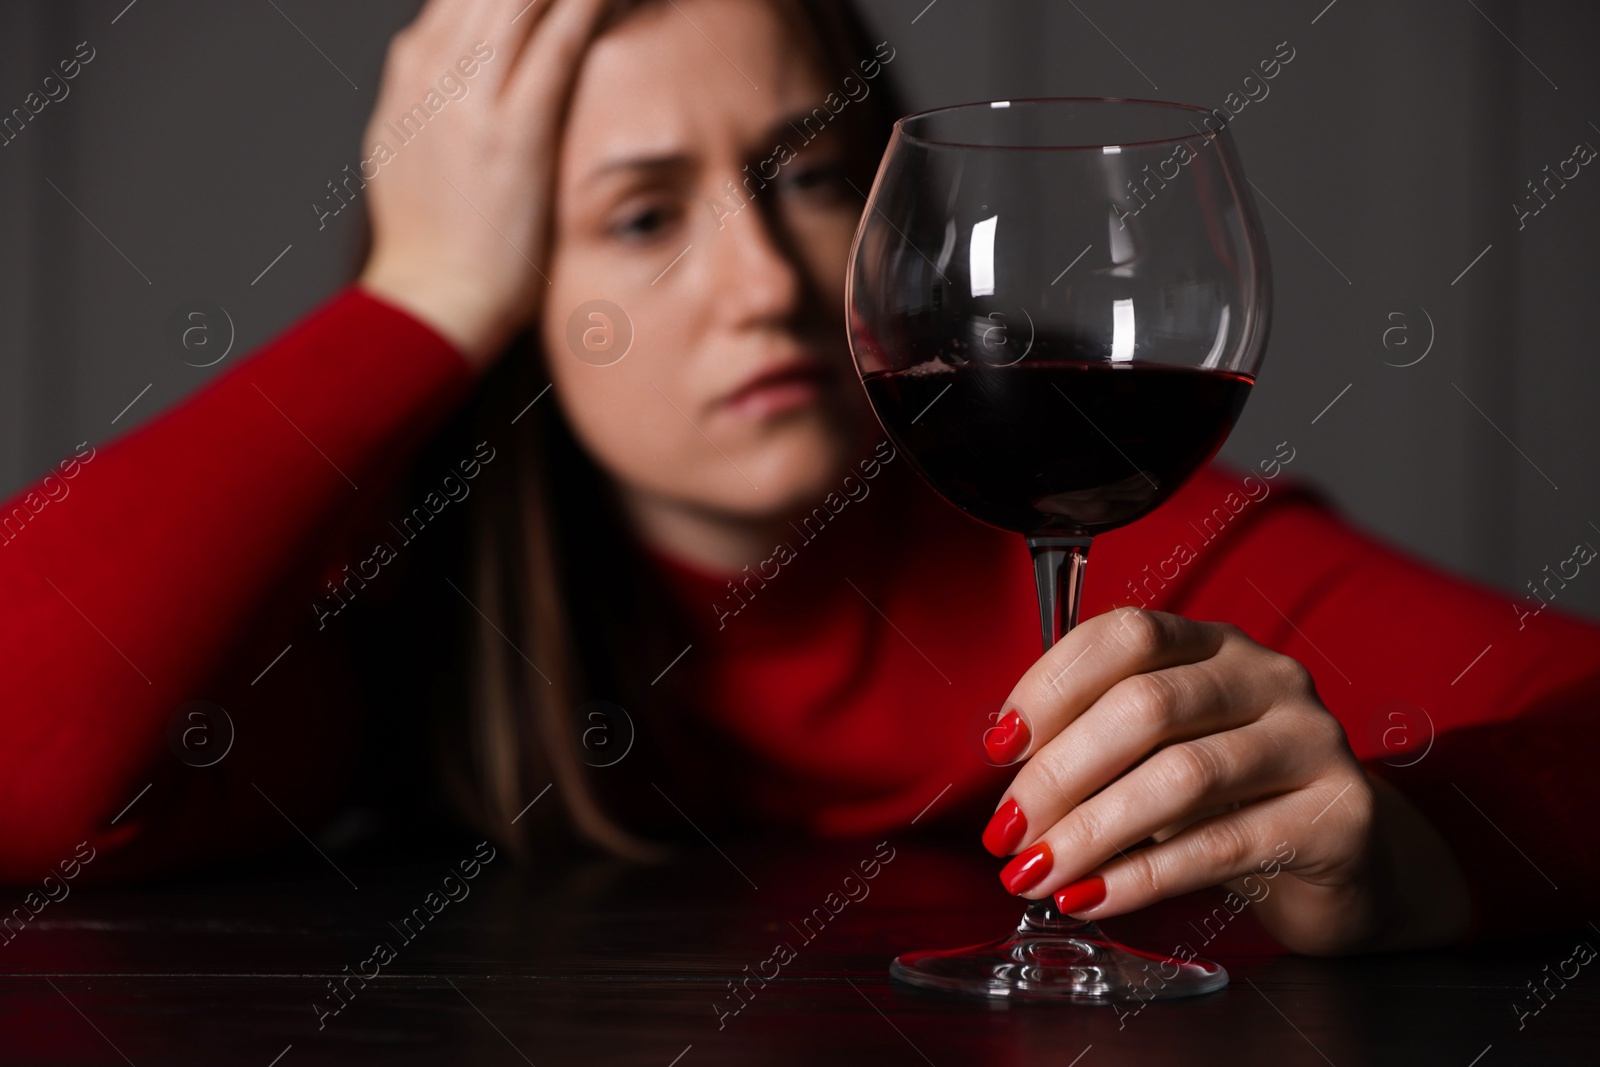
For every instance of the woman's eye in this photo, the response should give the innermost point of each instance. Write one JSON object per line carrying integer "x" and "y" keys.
{"x": 642, "y": 225}
{"x": 822, "y": 176}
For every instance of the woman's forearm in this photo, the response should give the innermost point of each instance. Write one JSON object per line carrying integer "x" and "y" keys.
{"x": 122, "y": 596}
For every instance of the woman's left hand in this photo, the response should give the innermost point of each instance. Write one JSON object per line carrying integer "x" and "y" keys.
{"x": 1145, "y": 725}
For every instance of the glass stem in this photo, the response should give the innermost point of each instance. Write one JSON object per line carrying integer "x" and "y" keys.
{"x": 1059, "y": 564}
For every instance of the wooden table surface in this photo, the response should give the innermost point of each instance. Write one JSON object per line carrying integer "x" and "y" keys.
{"x": 600, "y": 962}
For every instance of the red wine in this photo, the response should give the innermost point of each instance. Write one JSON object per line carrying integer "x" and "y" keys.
{"x": 1057, "y": 448}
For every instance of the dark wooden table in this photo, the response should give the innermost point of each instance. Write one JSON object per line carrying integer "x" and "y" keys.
{"x": 600, "y": 962}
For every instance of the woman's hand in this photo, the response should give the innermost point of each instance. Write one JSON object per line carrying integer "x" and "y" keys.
{"x": 1141, "y": 724}
{"x": 461, "y": 197}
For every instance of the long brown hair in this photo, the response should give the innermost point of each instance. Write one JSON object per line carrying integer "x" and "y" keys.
{"x": 552, "y": 608}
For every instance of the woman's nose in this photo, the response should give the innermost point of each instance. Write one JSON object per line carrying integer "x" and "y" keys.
{"x": 758, "y": 271}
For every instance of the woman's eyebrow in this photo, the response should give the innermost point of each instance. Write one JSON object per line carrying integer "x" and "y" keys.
{"x": 786, "y": 129}
{"x": 665, "y": 163}
{"x": 794, "y": 125}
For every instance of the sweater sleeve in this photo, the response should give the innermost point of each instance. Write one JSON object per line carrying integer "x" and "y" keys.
{"x": 159, "y": 570}
{"x": 1481, "y": 708}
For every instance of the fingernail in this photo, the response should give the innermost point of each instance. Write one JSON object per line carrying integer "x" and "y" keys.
{"x": 1081, "y": 895}
{"x": 1027, "y": 869}
{"x": 1007, "y": 739}
{"x": 1006, "y": 829}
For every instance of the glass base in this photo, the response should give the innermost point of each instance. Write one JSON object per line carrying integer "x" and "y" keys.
{"x": 1053, "y": 957}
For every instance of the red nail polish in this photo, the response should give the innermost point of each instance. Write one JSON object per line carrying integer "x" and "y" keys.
{"x": 1006, "y": 829}
{"x": 1007, "y": 739}
{"x": 1027, "y": 869}
{"x": 1081, "y": 895}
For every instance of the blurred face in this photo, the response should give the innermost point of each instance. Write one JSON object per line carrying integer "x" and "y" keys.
{"x": 736, "y": 398}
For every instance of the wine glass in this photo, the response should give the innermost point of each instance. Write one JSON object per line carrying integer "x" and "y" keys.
{"x": 1057, "y": 308}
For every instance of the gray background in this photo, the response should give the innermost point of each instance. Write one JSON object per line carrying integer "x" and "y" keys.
{"x": 1391, "y": 150}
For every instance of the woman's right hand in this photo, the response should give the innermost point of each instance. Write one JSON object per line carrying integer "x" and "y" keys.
{"x": 461, "y": 212}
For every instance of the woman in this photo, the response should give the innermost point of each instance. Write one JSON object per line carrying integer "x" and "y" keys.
{"x": 700, "y": 524}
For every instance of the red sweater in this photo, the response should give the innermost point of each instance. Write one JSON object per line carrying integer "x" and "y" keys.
{"x": 851, "y": 672}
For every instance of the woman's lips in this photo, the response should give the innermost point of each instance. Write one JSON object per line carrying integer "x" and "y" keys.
{"x": 783, "y": 390}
